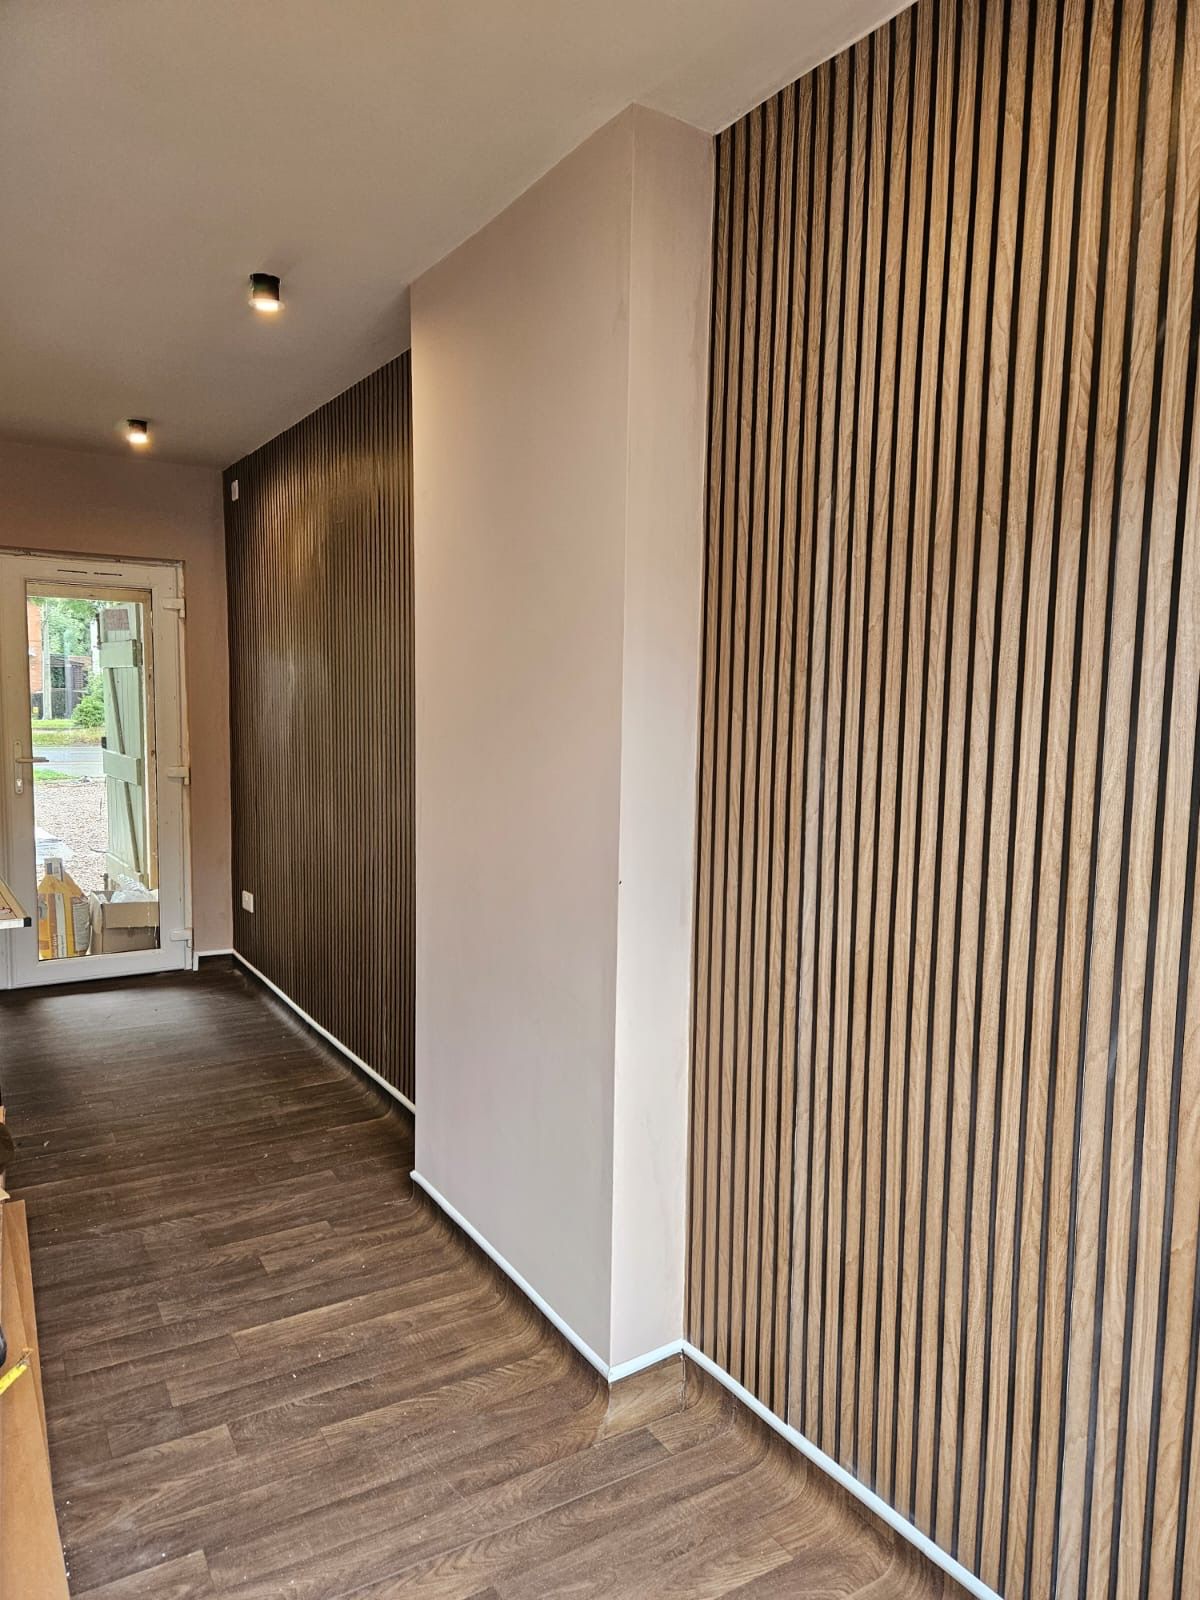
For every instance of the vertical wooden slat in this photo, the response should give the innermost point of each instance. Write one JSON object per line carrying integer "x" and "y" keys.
{"x": 928, "y": 623}
{"x": 880, "y": 751}
{"x": 1017, "y": 282}
{"x": 844, "y": 544}
{"x": 772, "y": 793}
{"x": 763, "y": 536}
{"x": 845, "y": 1248}
{"x": 791, "y": 1105}
{"x": 860, "y": 1124}
{"x": 909, "y": 599}
{"x": 815, "y": 91}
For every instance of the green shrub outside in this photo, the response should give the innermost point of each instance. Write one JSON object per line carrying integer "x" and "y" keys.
{"x": 89, "y": 713}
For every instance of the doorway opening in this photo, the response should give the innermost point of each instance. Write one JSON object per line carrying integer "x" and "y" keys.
{"x": 96, "y": 827}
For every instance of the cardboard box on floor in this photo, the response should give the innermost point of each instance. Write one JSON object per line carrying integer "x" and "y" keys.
{"x": 122, "y": 925}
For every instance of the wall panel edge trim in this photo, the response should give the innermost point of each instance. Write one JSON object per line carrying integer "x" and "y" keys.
{"x": 522, "y": 1283}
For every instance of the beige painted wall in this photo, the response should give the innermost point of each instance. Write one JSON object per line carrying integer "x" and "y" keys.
{"x": 73, "y": 501}
{"x": 520, "y": 372}
{"x": 670, "y": 268}
{"x": 555, "y": 734}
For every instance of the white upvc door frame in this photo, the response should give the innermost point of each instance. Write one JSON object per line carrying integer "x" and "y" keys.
{"x": 57, "y": 574}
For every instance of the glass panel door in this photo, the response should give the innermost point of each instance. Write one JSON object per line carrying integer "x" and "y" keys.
{"x": 94, "y": 836}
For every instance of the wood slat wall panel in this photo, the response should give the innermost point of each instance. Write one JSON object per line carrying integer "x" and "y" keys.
{"x": 945, "y": 1203}
{"x": 319, "y": 557}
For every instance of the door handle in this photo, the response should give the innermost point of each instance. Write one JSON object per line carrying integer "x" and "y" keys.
{"x": 20, "y": 762}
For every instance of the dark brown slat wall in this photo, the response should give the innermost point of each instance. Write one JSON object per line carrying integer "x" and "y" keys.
{"x": 945, "y": 1208}
{"x": 319, "y": 555}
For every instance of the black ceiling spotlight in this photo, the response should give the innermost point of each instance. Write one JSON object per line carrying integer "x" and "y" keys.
{"x": 137, "y": 430}
{"x": 264, "y": 292}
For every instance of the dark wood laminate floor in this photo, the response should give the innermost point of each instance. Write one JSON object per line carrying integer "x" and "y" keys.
{"x": 274, "y": 1371}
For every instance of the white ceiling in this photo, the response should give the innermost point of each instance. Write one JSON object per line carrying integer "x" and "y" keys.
{"x": 153, "y": 153}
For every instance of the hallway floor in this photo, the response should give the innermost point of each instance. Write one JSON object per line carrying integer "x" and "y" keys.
{"x": 274, "y": 1371}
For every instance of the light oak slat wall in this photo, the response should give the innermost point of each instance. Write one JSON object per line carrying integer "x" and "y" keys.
{"x": 319, "y": 557}
{"x": 945, "y": 1197}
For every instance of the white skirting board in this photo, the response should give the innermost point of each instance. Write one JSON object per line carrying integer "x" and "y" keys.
{"x": 324, "y": 1032}
{"x": 526, "y": 1288}
{"x": 886, "y": 1513}
{"x": 625, "y": 1369}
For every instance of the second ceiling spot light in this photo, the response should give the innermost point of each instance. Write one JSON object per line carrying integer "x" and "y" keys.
{"x": 264, "y": 292}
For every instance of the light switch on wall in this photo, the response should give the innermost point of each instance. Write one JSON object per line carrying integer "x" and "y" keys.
{"x": 247, "y": 900}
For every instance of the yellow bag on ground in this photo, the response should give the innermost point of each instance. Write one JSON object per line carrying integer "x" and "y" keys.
{"x": 64, "y": 923}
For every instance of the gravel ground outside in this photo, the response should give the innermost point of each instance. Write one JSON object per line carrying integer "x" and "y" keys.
{"x": 77, "y": 813}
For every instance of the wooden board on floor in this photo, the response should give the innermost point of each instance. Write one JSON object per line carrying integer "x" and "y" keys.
{"x": 31, "y": 1558}
{"x": 15, "y": 1231}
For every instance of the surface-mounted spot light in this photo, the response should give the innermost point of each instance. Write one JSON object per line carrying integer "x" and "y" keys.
{"x": 264, "y": 292}
{"x": 137, "y": 430}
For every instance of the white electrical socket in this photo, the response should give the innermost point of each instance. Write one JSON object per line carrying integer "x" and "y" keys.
{"x": 233, "y": 489}
{"x": 247, "y": 900}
